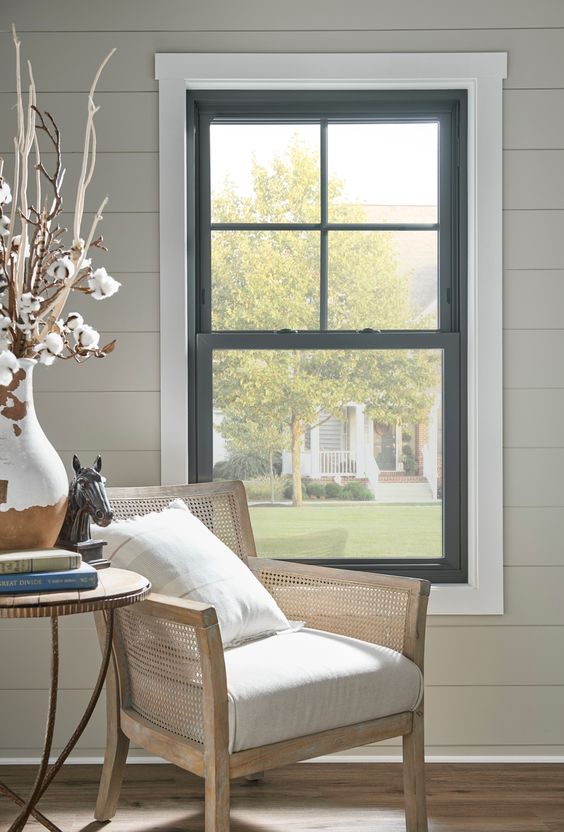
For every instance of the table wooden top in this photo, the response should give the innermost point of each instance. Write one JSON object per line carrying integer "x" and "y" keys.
{"x": 116, "y": 588}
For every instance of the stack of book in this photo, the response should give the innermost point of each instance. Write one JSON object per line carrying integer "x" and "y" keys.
{"x": 44, "y": 570}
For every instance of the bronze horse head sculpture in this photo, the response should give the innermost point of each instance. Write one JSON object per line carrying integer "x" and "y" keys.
{"x": 87, "y": 501}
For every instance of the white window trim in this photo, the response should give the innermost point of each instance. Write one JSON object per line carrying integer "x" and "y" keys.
{"x": 482, "y": 75}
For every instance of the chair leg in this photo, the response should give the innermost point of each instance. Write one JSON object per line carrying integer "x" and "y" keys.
{"x": 113, "y": 770}
{"x": 217, "y": 800}
{"x": 115, "y": 757}
{"x": 414, "y": 776}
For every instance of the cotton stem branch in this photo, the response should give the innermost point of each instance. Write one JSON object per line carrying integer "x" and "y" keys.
{"x": 89, "y": 152}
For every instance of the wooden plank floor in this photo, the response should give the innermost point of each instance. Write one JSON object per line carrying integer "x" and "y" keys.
{"x": 336, "y": 797}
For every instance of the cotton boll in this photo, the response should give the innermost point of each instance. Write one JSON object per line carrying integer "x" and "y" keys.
{"x": 87, "y": 337}
{"x": 5, "y": 193}
{"x": 30, "y": 303}
{"x": 54, "y": 343}
{"x": 61, "y": 269}
{"x": 16, "y": 243}
{"x": 74, "y": 321}
{"x": 51, "y": 347}
{"x": 102, "y": 285}
{"x": 4, "y": 226}
{"x": 46, "y": 358}
{"x": 8, "y": 366}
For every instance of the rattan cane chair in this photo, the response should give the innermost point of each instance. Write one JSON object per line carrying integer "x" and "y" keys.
{"x": 167, "y": 689}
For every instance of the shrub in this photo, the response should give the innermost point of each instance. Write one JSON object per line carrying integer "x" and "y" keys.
{"x": 333, "y": 491}
{"x": 288, "y": 489}
{"x": 409, "y": 464}
{"x": 356, "y": 491}
{"x": 315, "y": 489}
{"x": 245, "y": 465}
{"x": 259, "y": 490}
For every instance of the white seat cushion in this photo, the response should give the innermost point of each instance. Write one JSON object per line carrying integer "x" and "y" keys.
{"x": 294, "y": 684}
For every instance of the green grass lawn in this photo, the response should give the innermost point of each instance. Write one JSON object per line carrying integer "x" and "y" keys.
{"x": 341, "y": 530}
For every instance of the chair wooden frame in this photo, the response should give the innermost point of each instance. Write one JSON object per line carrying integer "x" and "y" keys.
{"x": 209, "y": 756}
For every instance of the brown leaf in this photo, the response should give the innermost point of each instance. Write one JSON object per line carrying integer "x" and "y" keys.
{"x": 109, "y": 347}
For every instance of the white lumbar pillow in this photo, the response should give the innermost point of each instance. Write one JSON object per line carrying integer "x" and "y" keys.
{"x": 181, "y": 557}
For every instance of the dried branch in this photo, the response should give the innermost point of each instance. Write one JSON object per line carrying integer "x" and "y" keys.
{"x": 89, "y": 152}
{"x": 40, "y": 276}
{"x": 55, "y": 180}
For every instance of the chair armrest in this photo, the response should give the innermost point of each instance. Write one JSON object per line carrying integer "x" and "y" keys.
{"x": 381, "y": 609}
{"x": 181, "y": 610}
{"x": 171, "y": 666}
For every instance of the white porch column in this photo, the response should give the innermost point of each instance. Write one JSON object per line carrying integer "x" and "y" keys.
{"x": 314, "y": 454}
{"x": 360, "y": 448}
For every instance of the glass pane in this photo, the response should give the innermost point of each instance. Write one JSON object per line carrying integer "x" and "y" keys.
{"x": 265, "y": 280}
{"x": 264, "y": 172}
{"x": 340, "y": 451}
{"x": 383, "y": 172}
{"x": 383, "y": 280}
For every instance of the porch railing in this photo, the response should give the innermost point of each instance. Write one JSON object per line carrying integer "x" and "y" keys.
{"x": 337, "y": 462}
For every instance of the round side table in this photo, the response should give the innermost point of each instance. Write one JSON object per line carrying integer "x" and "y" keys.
{"x": 116, "y": 588}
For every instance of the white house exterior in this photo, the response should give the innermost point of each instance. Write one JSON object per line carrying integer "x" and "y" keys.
{"x": 355, "y": 447}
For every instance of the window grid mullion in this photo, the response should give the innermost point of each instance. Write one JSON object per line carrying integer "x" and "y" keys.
{"x": 324, "y": 242}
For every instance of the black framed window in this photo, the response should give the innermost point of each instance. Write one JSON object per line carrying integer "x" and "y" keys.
{"x": 327, "y": 325}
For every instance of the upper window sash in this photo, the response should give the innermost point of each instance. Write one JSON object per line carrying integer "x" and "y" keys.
{"x": 447, "y": 108}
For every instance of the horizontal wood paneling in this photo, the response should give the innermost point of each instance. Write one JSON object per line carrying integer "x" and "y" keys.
{"x": 122, "y": 467}
{"x": 130, "y": 180}
{"x": 132, "y": 240}
{"x": 25, "y": 654}
{"x": 533, "y": 358}
{"x": 27, "y": 712}
{"x": 533, "y": 240}
{"x": 110, "y": 421}
{"x": 533, "y": 477}
{"x": 533, "y": 118}
{"x": 533, "y": 299}
{"x": 134, "y": 365}
{"x": 533, "y": 179}
{"x": 536, "y": 56}
{"x": 137, "y": 133}
{"x": 532, "y": 598}
{"x": 534, "y": 418}
{"x": 216, "y": 15}
{"x": 507, "y": 656}
{"x": 488, "y": 715}
{"x": 533, "y": 536}
{"x": 135, "y": 308}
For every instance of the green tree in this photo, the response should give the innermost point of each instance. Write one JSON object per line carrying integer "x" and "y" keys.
{"x": 270, "y": 280}
{"x": 255, "y": 437}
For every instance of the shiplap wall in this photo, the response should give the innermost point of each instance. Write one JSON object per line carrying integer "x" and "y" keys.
{"x": 495, "y": 684}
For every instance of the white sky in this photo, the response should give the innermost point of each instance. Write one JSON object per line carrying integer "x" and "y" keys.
{"x": 380, "y": 164}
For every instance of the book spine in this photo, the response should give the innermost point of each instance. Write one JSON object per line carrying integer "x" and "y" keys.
{"x": 43, "y": 582}
{"x": 57, "y": 563}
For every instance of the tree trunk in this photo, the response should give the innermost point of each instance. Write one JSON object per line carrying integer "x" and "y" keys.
{"x": 297, "y": 434}
{"x": 271, "y": 468}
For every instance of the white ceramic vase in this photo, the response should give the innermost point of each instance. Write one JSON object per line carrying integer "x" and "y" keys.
{"x": 33, "y": 481}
